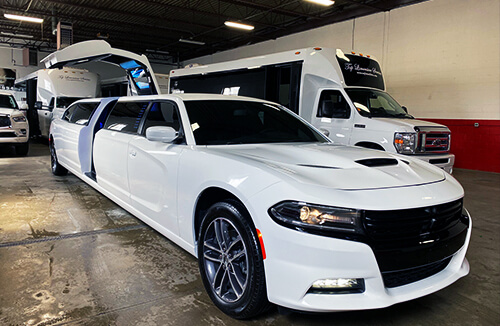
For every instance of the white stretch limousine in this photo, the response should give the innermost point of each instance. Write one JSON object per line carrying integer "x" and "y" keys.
{"x": 274, "y": 211}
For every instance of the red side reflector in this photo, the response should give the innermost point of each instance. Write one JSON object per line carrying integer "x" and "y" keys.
{"x": 317, "y": 49}
{"x": 298, "y": 52}
{"x": 261, "y": 241}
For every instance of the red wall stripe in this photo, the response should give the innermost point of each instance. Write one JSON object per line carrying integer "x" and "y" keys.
{"x": 476, "y": 147}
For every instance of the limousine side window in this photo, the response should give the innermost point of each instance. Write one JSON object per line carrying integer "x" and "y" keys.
{"x": 126, "y": 116}
{"x": 83, "y": 112}
{"x": 80, "y": 113}
{"x": 162, "y": 114}
{"x": 67, "y": 114}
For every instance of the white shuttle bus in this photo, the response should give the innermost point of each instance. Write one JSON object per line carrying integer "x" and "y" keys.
{"x": 341, "y": 94}
{"x": 49, "y": 91}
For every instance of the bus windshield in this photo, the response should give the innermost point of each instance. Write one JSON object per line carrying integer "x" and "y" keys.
{"x": 377, "y": 104}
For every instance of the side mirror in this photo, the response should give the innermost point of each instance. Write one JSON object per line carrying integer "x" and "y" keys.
{"x": 38, "y": 105}
{"x": 23, "y": 107}
{"x": 325, "y": 132}
{"x": 160, "y": 133}
{"x": 405, "y": 109}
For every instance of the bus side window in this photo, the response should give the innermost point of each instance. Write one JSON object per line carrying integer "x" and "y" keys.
{"x": 332, "y": 104}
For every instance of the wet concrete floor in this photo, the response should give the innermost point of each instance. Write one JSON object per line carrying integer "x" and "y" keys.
{"x": 68, "y": 255}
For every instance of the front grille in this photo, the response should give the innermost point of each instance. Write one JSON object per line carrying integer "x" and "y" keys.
{"x": 4, "y": 121}
{"x": 399, "y": 278}
{"x": 433, "y": 142}
{"x": 409, "y": 238}
{"x": 7, "y": 134}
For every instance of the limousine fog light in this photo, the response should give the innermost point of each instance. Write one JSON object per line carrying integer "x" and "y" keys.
{"x": 338, "y": 286}
{"x": 310, "y": 216}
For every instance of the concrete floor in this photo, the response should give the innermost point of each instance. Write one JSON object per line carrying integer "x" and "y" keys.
{"x": 68, "y": 255}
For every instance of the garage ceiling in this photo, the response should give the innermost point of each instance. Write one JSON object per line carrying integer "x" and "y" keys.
{"x": 154, "y": 27}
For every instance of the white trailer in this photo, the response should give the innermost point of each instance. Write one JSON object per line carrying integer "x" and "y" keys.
{"x": 51, "y": 90}
{"x": 341, "y": 94}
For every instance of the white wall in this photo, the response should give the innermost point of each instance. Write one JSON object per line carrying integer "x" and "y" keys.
{"x": 441, "y": 58}
{"x": 7, "y": 55}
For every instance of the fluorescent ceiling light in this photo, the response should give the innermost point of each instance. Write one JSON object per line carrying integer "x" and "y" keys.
{"x": 24, "y": 18}
{"x": 323, "y": 2}
{"x": 191, "y": 41}
{"x": 157, "y": 51}
{"x": 17, "y": 35}
{"x": 239, "y": 25}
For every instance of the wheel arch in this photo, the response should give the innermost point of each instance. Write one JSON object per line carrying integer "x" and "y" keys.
{"x": 206, "y": 199}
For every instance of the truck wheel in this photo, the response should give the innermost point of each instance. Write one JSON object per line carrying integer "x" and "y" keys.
{"x": 230, "y": 261}
{"x": 22, "y": 149}
{"x": 56, "y": 168}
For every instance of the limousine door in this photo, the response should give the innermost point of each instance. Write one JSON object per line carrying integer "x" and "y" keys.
{"x": 110, "y": 150}
{"x": 74, "y": 120}
{"x": 152, "y": 169}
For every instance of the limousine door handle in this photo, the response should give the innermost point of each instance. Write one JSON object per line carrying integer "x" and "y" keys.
{"x": 133, "y": 153}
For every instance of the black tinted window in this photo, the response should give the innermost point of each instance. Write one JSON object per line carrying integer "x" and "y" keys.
{"x": 67, "y": 114}
{"x": 162, "y": 114}
{"x": 82, "y": 112}
{"x": 7, "y": 101}
{"x": 241, "y": 122}
{"x": 361, "y": 71}
{"x": 126, "y": 116}
{"x": 333, "y": 105}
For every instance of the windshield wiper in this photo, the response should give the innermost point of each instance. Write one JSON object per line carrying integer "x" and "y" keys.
{"x": 403, "y": 115}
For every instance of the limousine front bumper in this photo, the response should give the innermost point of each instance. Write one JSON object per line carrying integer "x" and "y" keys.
{"x": 318, "y": 273}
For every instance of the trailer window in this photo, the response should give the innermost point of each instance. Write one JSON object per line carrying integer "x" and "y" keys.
{"x": 332, "y": 104}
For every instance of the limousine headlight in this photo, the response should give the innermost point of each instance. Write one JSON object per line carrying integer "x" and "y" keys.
{"x": 310, "y": 216}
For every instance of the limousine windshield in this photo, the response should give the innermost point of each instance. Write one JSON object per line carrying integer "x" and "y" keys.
{"x": 237, "y": 122}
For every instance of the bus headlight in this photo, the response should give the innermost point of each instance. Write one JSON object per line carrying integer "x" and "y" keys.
{"x": 405, "y": 142}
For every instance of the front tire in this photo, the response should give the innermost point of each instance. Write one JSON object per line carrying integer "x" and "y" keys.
{"x": 55, "y": 167}
{"x": 230, "y": 261}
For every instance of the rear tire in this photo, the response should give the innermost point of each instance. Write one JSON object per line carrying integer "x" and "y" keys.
{"x": 23, "y": 149}
{"x": 56, "y": 168}
{"x": 230, "y": 261}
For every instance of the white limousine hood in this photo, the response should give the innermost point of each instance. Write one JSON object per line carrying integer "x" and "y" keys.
{"x": 341, "y": 167}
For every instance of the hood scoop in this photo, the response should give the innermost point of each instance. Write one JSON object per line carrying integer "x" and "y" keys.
{"x": 377, "y": 162}
{"x": 319, "y": 166}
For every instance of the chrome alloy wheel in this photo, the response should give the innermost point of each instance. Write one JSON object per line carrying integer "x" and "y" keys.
{"x": 225, "y": 260}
